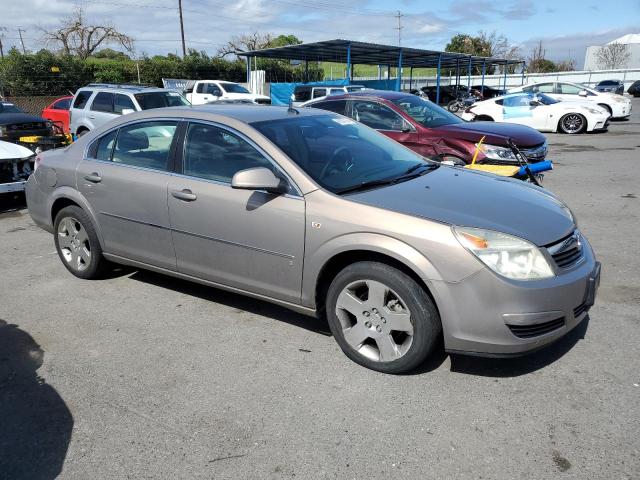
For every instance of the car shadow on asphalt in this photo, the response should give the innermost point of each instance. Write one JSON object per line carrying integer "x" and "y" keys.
{"x": 233, "y": 300}
{"x": 35, "y": 422}
{"x": 517, "y": 366}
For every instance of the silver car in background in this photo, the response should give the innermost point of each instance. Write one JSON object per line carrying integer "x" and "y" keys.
{"x": 323, "y": 215}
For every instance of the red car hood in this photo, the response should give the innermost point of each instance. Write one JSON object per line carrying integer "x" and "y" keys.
{"x": 496, "y": 133}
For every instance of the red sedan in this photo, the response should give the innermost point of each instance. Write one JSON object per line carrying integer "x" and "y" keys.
{"x": 430, "y": 130}
{"x": 58, "y": 112}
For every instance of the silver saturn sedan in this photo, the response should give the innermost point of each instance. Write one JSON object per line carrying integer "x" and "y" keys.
{"x": 323, "y": 215}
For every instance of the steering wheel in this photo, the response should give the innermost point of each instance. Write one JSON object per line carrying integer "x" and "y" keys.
{"x": 346, "y": 164}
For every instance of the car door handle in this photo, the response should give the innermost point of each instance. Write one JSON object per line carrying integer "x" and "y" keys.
{"x": 92, "y": 117}
{"x": 184, "y": 194}
{"x": 93, "y": 177}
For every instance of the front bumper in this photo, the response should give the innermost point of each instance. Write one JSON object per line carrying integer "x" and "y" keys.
{"x": 621, "y": 110}
{"x": 488, "y": 315}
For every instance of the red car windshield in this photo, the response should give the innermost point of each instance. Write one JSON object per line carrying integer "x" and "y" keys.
{"x": 425, "y": 112}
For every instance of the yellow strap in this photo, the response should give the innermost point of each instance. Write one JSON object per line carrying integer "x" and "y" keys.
{"x": 502, "y": 170}
{"x": 475, "y": 154}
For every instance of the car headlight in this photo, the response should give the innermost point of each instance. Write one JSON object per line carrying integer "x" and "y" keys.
{"x": 509, "y": 256}
{"x": 495, "y": 152}
{"x": 595, "y": 111}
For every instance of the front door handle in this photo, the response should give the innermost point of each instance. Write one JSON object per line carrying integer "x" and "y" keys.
{"x": 93, "y": 177}
{"x": 184, "y": 194}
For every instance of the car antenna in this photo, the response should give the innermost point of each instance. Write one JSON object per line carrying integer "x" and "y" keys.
{"x": 291, "y": 109}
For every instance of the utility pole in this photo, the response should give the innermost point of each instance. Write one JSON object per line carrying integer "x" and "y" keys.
{"x": 22, "y": 41}
{"x": 399, "y": 16}
{"x": 184, "y": 49}
{"x": 2, "y": 30}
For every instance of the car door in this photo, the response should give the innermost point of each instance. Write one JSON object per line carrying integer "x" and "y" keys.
{"x": 251, "y": 240}
{"x": 124, "y": 179}
{"x": 101, "y": 109}
{"x": 385, "y": 120}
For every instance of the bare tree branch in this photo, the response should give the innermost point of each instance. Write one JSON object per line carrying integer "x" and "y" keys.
{"x": 613, "y": 55}
{"x": 76, "y": 37}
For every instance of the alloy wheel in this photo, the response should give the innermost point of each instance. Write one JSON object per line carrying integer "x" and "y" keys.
{"x": 375, "y": 321}
{"x": 74, "y": 244}
{"x": 572, "y": 123}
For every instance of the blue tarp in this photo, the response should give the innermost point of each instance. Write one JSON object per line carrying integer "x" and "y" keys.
{"x": 378, "y": 84}
{"x": 281, "y": 92}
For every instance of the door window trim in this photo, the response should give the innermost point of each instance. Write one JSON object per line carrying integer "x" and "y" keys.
{"x": 171, "y": 161}
{"x": 179, "y": 157}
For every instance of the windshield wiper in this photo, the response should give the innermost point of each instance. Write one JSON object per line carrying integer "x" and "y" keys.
{"x": 409, "y": 174}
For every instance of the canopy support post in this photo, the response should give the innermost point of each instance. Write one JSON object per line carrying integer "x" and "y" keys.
{"x": 438, "y": 79}
{"x": 484, "y": 71}
{"x": 506, "y": 69}
{"x": 469, "y": 73}
{"x": 349, "y": 62}
{"x": 399, "y": 75}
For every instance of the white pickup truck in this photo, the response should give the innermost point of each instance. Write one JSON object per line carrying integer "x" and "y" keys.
{"x": 207, "y": 91}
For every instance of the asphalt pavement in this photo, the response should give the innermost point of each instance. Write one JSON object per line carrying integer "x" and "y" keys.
{"x": 142, "y": 376}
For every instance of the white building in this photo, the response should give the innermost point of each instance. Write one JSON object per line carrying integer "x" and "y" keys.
{"x": 632, "y": 40}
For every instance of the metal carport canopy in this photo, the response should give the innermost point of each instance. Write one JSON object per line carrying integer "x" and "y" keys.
{"x": 353, "y": 52}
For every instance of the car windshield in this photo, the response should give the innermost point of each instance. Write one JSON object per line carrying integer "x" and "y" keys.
{"x": 151, "y": 100}
{"x": 234, "y": 88}
{"x": 343, "y": 155}
{"x": 608, "y": 82}
{"x": 9, "y": 108}
{"x": 425, "y": 112}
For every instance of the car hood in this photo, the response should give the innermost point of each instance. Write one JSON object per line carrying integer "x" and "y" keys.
{"x": 496, "y": 133}
{"x": 11, "y": 151}
{"x": 12, "y": 118}
{"x": 461, "y": 197}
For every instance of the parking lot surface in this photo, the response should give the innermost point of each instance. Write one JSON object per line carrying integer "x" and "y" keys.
{"x": 144, "y": 376}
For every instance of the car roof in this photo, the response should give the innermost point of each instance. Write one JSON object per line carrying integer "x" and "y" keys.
{"x": 123, "y": 88}
{"x": 376, "y": 94}
{"x": 241, "y": 112}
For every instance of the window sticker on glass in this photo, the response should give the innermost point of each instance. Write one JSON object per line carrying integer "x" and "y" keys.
{"x": 343, "y": 121}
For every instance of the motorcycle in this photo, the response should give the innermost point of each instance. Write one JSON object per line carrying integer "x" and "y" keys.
{"x": 462, "y": 102}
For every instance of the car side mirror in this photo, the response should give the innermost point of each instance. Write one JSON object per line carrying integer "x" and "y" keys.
{"x": 258, "y": 178}
{"x": 534, "y": 103}
{"x": 583, "y": 93}
{"x": 127, "y": 111}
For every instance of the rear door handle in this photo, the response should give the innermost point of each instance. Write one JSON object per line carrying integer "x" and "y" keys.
{"x": 184, "y": 194}
{"x": 92, "y": 117}
{"x": 93, "y": 177}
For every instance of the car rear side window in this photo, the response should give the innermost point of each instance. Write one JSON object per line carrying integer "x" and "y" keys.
{"x": 302, "y": 94}
{"x": 103, "y": 102}
{"x": 145, "y": 144}
{"x": 103, "y": 147}
{"x": 568, "y": 89}
{"x": 63, "y": 104}
{"x": 122, "y": 102}
{"x": 82, "y": 98}
{"x": 336, "y": 106}
{"x": 216, "y": 154}
{"x": 319, "y": 92}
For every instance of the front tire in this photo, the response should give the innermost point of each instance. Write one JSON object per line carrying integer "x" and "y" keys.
{"x": 573, "y": 123}
{"x": 382, "y": 318}
{"x": 77, "y": 243}
{"x": 453, "y": 106}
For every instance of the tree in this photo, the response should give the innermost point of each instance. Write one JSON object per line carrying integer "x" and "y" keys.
{"x": 256, "y": 41}
{"x": 111, "y": 54}
{"x": 77, "y": 37}
{"x": 566, "y": 65}
{"x": 537, "y": 62}
{"x": 497, "y": 45}
{"x": 613, "y": 55}
{"x": 463, "y": 43}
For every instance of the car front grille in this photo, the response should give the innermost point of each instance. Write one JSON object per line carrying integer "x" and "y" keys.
{"x": 535, "y": 154}
{"x": 19, "y": 127}
{"x": 529, "y": 331}
{"x": 567, "y": 252}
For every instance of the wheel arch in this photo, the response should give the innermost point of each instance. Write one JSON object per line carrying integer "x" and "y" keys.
{"x": 606, "y": 107}
{"x": 67, "y": 196}
{"x": 349, "y": 249}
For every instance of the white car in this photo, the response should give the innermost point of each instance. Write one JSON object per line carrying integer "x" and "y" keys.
{"x": 15, "y": 166}
{"x": 207, "y": 91}
{"x": 541, "y": 112}
{"x": 617, "y": 105}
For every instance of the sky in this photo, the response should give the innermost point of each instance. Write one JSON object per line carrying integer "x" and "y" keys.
{"x": 564, "y": 27}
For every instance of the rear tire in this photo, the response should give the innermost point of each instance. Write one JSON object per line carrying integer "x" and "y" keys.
{"x": 77, "y": 243}
{"x": 382, "y": 318}
{"x": 453, "y": 106}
